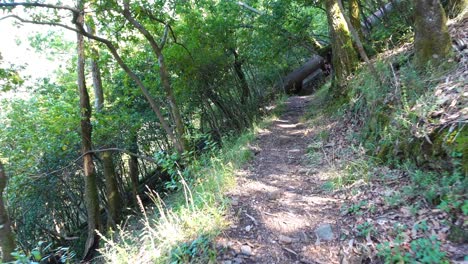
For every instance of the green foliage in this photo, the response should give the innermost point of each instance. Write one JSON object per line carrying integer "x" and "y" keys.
{"x": 421, "y": 250}
{"x": 394, "y": 30}
{"x": 43, "y": 253}
{"x": 199, "y": 250}
{"x": 365, "y": 229}
{"x": 354, "y": 208}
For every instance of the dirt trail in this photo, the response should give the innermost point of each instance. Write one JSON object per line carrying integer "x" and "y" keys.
{"x": 280, "y": 212}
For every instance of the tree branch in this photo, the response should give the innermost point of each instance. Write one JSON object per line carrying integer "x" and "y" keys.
{"x": 36, "y": 4}
{"x": 164, "y": 38}
{"x": 147, "y": 158}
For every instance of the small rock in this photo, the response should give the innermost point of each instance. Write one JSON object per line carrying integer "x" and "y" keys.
{"x": 284, "y": 239}
{"x": 304, "y": 237}
{"x": 246, "y": 250}
{"x": 237, "y": 260}
{"x": 234, "y": 202}
{"x": 227, "y": 262}
{"x": 248, "y": 228}
{"x": 324, "y": 232}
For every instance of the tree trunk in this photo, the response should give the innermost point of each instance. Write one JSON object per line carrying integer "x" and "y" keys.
{"x": 293, "y": 81}
{"x": 432, "y": 40}
{"x": 240, "y": 74}
{"x": 113, "y": 196}
{"x": 96, "y": 72}
{"x": 91, "y": 191}
{"x": 165, "y": 79}
{"x": 359, "y": 46}
{"x": 344, "y": 59}
{"x": 133, "y": 169}
{"x": 355, "y": 16}
{"x": 7, "y": 240}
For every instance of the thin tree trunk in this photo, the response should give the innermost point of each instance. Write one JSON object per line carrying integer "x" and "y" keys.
{"x": 359, "y": 45}
{"x": 96, "y": 72}
{"x": 164, "y": 75}
{"x": 355, "y": 16}
{"x": 7, "y": 240}
{"x": 91, "y": 191}
{"x": 240, "y": 74}
{"x": 113, "y": 196}
{"x": 133, "y": 171}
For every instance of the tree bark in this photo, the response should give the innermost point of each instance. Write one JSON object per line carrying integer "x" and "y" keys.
{"x": 91, "y": 191}
{"x": 359, "y": 46}
{"x": 344, "y": 58}
{"x": 293, "y": 81}
{"x": 355, "y": 16}
{"x": 96, "y": 72}
{"x": 133, "y": 169}
{"x": 7, "y": 239}
{"x": 113, "y": 196}
{"x": 432, "y": 42}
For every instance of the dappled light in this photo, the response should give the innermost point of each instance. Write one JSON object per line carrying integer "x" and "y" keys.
{"x": 233, "y": 132}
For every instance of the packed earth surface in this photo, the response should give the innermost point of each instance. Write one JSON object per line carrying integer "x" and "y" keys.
{"x": 283, "y": 212}
{"x": 280, "y": 213}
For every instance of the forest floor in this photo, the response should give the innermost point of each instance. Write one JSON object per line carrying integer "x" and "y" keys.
{"x": 284, "y": 211}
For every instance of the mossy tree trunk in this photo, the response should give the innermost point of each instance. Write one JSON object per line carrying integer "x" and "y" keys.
{"x": 91, "y": 191}
{"x": 344, "y": 58}
{"x": 7, "y": 240}
{"x": 431, "y": 41}
{"x": 355, "y": 16}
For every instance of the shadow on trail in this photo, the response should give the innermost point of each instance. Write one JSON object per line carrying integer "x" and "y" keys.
{"x": 279, "y": 209}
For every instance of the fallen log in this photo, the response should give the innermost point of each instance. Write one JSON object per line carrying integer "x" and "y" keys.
{"x": 293, "y": 82}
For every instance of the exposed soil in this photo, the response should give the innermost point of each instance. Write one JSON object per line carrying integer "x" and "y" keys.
{"x": 279, "y": 203}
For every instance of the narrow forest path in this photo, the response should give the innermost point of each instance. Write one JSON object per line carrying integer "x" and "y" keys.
{"x": 280, "y": 212}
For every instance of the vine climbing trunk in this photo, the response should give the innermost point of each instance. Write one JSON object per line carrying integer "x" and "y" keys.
{"x": 91, "y": 191}
{"x": 7, "y": 240}
{"x": 344, "y": 59}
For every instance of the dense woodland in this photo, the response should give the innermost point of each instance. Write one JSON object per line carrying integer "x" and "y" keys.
{"x": 149, "y": 90}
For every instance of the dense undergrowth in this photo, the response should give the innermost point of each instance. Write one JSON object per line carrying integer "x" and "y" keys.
{"x": 180, "y": 227}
